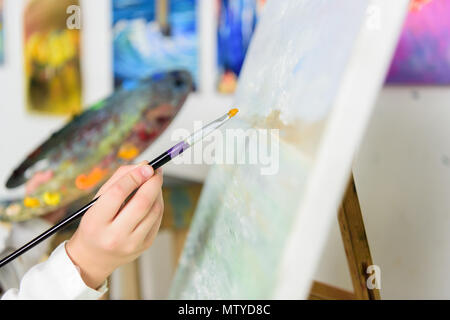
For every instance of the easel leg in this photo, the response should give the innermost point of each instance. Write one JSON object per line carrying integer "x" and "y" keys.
{"x": 355, "y": 243}
{"x": 357, "y": 251}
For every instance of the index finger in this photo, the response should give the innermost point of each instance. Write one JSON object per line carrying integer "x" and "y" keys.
{"x": 140, "y": 203}
{"x": 116, "y": 176}
{"x": 109, "y": 203}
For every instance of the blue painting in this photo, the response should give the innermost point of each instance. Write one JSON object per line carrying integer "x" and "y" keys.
{"x": 236, "y": 23}
{"x": 152, "y": 36}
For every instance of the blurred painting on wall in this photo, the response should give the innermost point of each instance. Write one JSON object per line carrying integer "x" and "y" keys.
{"x": 236, "y": 22}
{"x": 151, "y": 36}
{"x": 2, "y": 36}
{"x": 422, "y": 56}
{"x": 52, "y": 58}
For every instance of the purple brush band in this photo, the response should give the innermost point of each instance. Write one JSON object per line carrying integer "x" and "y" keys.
{"x": 177, "y": 149}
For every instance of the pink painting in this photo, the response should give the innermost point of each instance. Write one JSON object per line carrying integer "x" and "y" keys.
{"x": 423, "y": 53}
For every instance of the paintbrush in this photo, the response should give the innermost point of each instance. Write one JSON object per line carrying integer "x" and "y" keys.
{"x": 155, "y": 164}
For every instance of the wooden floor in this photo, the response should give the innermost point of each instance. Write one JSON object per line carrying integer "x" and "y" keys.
{"x": 322, "y": 291}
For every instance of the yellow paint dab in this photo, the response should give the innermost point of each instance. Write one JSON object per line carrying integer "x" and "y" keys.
{"x": 128, "y": 151}
{"x": 31, "y": 202}
{"x": 52, "y": 198}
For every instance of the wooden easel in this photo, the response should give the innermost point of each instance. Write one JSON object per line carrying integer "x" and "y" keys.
{"x": 357, "y": 251}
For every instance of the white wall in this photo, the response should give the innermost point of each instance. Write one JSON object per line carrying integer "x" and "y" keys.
{"x": 402, "y": 170}
{"x": 402, "y": 173}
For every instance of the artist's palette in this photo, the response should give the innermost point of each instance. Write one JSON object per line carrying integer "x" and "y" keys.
{"x": 78, "y": 158}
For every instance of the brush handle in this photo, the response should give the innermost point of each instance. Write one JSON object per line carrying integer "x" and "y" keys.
{"x": 59, "y": 226}
{"x": 155, "y": 164}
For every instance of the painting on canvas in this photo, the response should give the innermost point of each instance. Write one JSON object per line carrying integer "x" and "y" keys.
{"x": 236, "y": 23}
{"x": 151, "y": 36}
{"x": 422, "y": 56}
{"x": 51, "y": 58}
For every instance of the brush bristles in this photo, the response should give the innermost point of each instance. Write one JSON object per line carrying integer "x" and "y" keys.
{"x": 233, "y": 112}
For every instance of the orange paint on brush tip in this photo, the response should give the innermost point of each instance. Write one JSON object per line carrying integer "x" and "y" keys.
{"x": 232, "y": 112}
{"x": 88, "y": 181}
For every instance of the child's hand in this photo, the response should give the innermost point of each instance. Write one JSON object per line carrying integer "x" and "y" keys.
{"x": 110, "y": 236}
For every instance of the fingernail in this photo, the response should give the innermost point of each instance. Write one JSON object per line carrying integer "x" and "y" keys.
{"x": 146, "y": 171}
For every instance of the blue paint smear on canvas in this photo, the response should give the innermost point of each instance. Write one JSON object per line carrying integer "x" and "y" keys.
{"x": 140, "y": 47}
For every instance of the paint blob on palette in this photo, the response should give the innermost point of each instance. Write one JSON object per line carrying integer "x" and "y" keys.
{"x": 78, "y": 158}
{"x": 422, "y": 56}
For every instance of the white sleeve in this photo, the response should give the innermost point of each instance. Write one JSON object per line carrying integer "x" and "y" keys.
{"x": 22, "y": 232}
{"x": 57, "y": 278}
{"x": 12, "y": 237}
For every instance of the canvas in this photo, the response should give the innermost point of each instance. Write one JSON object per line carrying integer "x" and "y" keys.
{"x": 312, "y": 71}
{"x": 423, "y": 52}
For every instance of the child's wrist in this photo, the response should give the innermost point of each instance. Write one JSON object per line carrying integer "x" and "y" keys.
{"x": 92, "y": 273}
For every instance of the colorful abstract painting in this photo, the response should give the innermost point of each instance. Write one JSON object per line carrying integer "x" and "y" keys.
{"x": 423, "y": 52}
{"x": 152, "y": 36}
{"x": 2, "y": 35}
{"x": 236, "y": 22}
